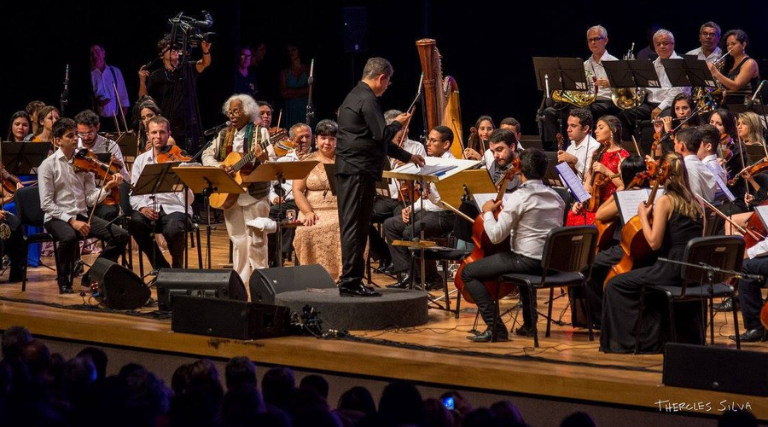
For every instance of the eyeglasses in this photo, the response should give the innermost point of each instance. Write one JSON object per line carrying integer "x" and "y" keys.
{"x": 234, "y": 112}
{"x": 84, "y": 134}
{"x": 433, "y": 141}
{"x": 595, "y": 39}
{"x": 708, "y": 35}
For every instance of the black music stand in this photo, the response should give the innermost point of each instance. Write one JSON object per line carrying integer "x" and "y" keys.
{"x": 207, "y": 180}
{"x": 631, "y": 73}
{"x": 160, "y": 178}
{"x": 23, "y": 158}
{"x": 129, "y": 145}
{"x": 560, "y": 74}
{"x": 280, "y": 171}
{"x": 698, "y": 72}
{"x": 551, "y": 176}
{"x": 330, "y": 172}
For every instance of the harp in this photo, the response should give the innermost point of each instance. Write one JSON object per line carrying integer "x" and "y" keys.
{"x": 441, "y": 95}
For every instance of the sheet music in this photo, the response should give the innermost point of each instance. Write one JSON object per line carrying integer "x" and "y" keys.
{"x": 481, "y": 198}
{"x": 572, "y": 182}
{"x": 762, "y": 211}
{"x": 451, "y": 166}
{"x": 628, "y": 200}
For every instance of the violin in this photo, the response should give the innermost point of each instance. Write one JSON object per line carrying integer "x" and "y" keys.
{"x": 655, "y": 144}
{"x": 725, "y": 147}
{"x": 483, "y": 245}
{"x": 10, "y": 182}
{"x": 172, "y": 153}
{"x": 560, "y": 141}
{"x": 85, "y": 160}
{"x": 634, "y": 246}
{"x": 277, "y": 134}
{"x": 597, "y": 182}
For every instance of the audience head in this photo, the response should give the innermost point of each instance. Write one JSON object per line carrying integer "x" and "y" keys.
{"x": 14, "y": 340}
{"x": 240, "y": 371}
{"x": 578, "y": 419}
{"x": 99, "y": 359}
{"x": 316, "y": 383}
{"x": 358, "y": 399}
{"x": 279, "y": 387}
{"x": 401, "y": 404}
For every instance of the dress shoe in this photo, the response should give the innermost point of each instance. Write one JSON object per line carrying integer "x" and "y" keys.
{"x": 78, "y": 268}
{"x": 524, "y": 331}
{"x": 488, "y": 336}
{"x": 726, "y": 305}
{"x": 86, "y": 281}
{"x": 434, "y": 283}
{"x": 357, "y": 291}
{"x": 65, "y": 289}
{"x": 752, "y": 335}
{"x": 404, "y": 283}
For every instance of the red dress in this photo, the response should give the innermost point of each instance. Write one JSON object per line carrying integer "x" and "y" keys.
{"x": 610, "y": 160}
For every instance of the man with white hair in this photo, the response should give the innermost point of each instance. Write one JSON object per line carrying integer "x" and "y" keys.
{"x": 249, "y": 243}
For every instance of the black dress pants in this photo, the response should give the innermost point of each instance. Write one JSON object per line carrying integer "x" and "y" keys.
{"x": 355, "y": 200}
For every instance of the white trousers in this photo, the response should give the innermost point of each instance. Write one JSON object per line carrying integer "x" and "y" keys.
{"x": 249, "y": 246}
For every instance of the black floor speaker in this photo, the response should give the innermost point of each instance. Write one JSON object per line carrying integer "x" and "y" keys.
{"x": 716, "y": 368}
{"x": 268, "y": 282}
{"x": 229, "y": 318}
{"x": 220, "y": 284}
{"x": 120, "y": 288}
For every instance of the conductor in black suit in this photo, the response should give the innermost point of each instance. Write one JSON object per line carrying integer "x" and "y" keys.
{"x": 364, "y": 142}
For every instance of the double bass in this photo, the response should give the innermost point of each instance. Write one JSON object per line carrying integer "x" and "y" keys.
{"x": 483, "y": 245}
{"x": 633, "y": 243}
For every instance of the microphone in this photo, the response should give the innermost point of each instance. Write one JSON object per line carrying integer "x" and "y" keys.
{"x": 751, "y": 101}
{"x": 214, "y": 130}
{"x": 65, "y": 93}
{"x": 311, "y": 78}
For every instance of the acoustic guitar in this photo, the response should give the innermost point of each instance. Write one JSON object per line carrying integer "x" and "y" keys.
{"x": 242, "y": 165}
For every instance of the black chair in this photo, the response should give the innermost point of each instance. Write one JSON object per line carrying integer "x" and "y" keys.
{"x": 567, "y": 197}
{"x": 31, "y": 214}
{"x": 723, "y": 252}
{"x": 568, "y": 253}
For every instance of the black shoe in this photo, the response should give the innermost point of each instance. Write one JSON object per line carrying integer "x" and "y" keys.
{"x": 65, "y": 289}
{"x": 404, "y": 283}
{"x": 386, "y": 267}
{"x": 15, "y": 277}
{"x": 726, "y": 305}
{"x": 434, "y": 283}
{"x": 86, "y": 281}
{"x": 78, "y": 268}
{"x": 488, "y": 336}
{"x": 357, "y": 291}
{"x": 524, "y": 331}
{"x": 753, "y": 335}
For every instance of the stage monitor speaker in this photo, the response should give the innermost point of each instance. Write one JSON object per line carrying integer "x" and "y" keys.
{"x": 355, "y": 29}
{"x": 221, "y": 284}
{"x": 268, "y": 282}
{"x": 715, "y": 368}
{"x": 229, "y": 318}
{"x": 120, "y": 288}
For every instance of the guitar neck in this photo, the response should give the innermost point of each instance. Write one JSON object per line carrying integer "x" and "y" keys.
{"x": 248, "y": 157}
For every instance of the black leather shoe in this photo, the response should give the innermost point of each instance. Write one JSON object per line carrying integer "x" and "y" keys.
{"x": 487, "y": 336}
{"x": 726, "y": 305}
{"x": 753, "y": 335}
{"x": 86, "y": 281}
{"x": 434, "y": 283}
{"x": 357, "y": 291}
{"x": 404, "y": 283}
{"x": 64, "y": 289}
{"x": 524, "y": 331}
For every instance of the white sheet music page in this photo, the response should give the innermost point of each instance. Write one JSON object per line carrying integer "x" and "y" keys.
{"x": 763, "y": 212}
{"x": 572, "y": 182}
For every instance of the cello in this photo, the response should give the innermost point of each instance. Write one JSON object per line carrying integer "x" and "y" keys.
{"x": 633, "y": 242}
{"x": 483, "y": 245}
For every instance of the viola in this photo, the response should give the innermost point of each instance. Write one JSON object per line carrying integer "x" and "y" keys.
{"x": 85, "y": 161}
{"x": 484, "y": 247}
{"x": 172, "y": 153}
{"x": 634, "y": 246}
{"x": 756, "y": 168}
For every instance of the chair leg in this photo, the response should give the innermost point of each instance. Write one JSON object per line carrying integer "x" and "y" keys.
{"x": 585, "y": 306}
{"x": 26, "y": 254}
{"x": 458, "y": 304}
{"x": 736, "y": 323}
{"x": 639, "y": 324}
{"x": 672, "y": 329}
{"x": 445, "y": 285}
{"x": 549, "y": 311}
{"x": 711, "y": 319}
{"x": 532, "y": 302}
{"x": 496, "y": 313}
{"x": 199, "y": 250}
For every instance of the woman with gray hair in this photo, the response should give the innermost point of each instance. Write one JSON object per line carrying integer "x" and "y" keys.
{"x": 241, "y": 138}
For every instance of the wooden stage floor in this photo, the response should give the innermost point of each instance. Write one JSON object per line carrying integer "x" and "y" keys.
{"x": 567, "y": 366}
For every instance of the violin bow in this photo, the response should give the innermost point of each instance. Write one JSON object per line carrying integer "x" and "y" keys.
{"x": 637, "y": 147}
{"x": 741, "y": 229}
{"x": 101, "y": 189}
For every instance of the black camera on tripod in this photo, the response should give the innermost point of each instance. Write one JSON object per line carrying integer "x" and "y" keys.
{"x": 186, "y": 32}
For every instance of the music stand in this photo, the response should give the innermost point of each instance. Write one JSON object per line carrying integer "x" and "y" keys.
{"x": 330, "y": 172}
{"x": 551, "y": 176}
{"x": 280, "y": 171}
{"x": 129, "y": 145}
{"x": 569, "y": 73}
{"x": 207, "y": 180}
{"x": 159, "y": 178}
{"x": 22, "y": 158}
{"x": 698, "y": 72}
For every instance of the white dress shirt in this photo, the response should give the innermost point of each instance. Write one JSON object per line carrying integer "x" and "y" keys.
{"x": 432, "y": 203}
{"x": 699, "y": 52}
{"x": 713, "y": 164}
{"x": 596, "y": 68}
{"x": 583, "y": 151}
{"x": 413, "y": 147}
{"x": 532, "y": 211}
{"x": 287, "y": 186}
{"x": 102, "y": 84}
{"x": 168, "y": 202}
{"x": 700, "y": 179}
{"x": 666, "y": 93}
{"x": 104, "y": 145}
{"x": 65, "y": 194}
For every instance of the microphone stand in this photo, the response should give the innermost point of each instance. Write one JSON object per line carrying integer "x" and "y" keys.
{"x": 540, "y": 111}
{"x": 64, "y": 99}
{"x": 310, "y": 83}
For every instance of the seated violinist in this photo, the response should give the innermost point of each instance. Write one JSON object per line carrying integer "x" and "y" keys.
{"x": 163, "y": 211}
{"x": 634, "y": 176}
{"x": 532, "y": 211}
{"x": 702, "y": 183}
{"x": 750, "y": 295}
{"x": 249, "y": 244}
{"x": 710, "y": 141}
{"x": 668, "y": 225}
{"x": 434, "y": 219}
{"x": 603, "y": 177}
{"x": 88, "y": 131}
{"x": 65, "y": 197}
